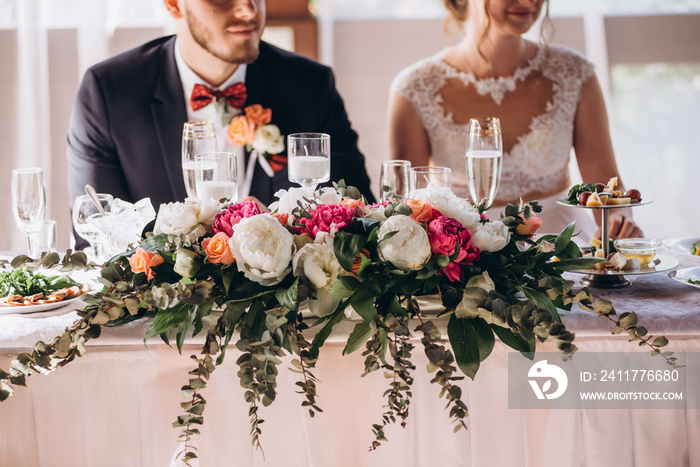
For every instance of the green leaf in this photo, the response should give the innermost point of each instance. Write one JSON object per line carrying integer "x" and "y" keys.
{"x": 362, "y": 301}
{"x": 472, "y": 341}
{"x": 515, "y": 341}
{"x": 575, "y": 263}
{"x": 563, "y": 239}
{"x": 288, "y": 297}
{"x": 362, "y": 332}
{"x": 660, "y": 341}
{"x": 541, "y": 301}
{"x": 344, "y": 287}
{"x": 168, "y": 319}
{"x": 322, "y": 335}
{"x": 347, "y": 246}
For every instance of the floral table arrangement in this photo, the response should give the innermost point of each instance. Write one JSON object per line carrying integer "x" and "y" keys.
{"x": 257, "y": 271}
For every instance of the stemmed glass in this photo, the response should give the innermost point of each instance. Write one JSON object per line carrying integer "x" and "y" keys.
{"x": 83, "y": 214}
{"x": 197, "y": 138}
{"x": 309, "y": 159}
{"x": 484, "y": 156}
{"x": 29, "y": 205}
{"x": 216, "y": 176}
{"x": 394, "y": 176}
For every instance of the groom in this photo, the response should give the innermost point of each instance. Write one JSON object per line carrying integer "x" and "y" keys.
{"x": 125, "y": 131}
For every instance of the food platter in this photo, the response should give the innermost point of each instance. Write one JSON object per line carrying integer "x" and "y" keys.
{"x": 21, "y": 309}
{"x": 684, "y": 275}
{"x": 615, "y": 279}
{"x": 682, "y": 245}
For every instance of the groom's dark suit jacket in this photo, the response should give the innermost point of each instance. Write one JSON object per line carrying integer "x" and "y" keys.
{"x": 126, "y": 127}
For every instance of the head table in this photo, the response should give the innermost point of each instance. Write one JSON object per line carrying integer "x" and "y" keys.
{"x": 115, "y": 405}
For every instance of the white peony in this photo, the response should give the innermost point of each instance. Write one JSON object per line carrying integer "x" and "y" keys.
{"x": 190, "y": 219}
{"x": 409, "y": 248}
{"x": 450, "y": 205}
{"x": 263, "y": 249}
{"x": 491, "y": 236}
{"x": 317, "y": 262}
{"x": 290, "y": 199}
{"x": 268, "y": 139}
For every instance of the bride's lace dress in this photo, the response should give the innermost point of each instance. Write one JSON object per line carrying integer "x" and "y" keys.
{"x": 537, "y": 107}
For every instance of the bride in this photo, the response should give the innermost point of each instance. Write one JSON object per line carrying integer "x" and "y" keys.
{"x": 547, "y": 98}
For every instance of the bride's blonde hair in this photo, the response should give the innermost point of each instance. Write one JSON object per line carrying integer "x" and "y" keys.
{"x": 458, "y": 13}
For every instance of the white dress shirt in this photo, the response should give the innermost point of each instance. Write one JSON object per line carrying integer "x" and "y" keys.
{"x": 214, "y": 111}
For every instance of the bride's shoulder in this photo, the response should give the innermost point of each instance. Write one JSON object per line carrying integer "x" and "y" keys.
{"x": 563, "y": 60}
{"x": 424, "y": 73}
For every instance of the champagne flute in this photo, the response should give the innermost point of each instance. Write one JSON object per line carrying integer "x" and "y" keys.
{"x": 425, "y": 176}
{"x": 29, "y": 205}
{"x": 394, "y": 176}
{"x": 83, "y": 209}
{"x": 216, "y": 176}
{"x": 309, "y": 159}
{"x": 484, "y": 156}
{"x": 197, "y": 138}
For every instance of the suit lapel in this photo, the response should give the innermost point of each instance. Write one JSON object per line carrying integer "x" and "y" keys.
{"x": 169, "y": 115}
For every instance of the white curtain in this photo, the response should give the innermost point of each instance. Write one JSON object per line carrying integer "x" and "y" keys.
{"x": 45, "y": 47}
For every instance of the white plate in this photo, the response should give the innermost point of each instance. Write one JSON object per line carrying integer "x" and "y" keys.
{"x": 683, "y": 275}
{"x": 19, "y": 309}
{"x": 659, "y": 264}
{"x": 682, "y": 245}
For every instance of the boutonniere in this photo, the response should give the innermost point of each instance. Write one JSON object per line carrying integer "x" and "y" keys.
{"x": 254, "y": 131}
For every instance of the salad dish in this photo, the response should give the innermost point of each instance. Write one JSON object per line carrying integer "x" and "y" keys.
{"x": 28, "y": 291}
{"x": 688, "y": 276}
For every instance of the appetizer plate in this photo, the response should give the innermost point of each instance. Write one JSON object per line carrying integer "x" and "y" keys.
{"x": 562, "y": 200}
{"x": 682, "y": 245}
{"x": 659, "y": 264}
{"x": 684, "y": 275}
{"x": 20, "y": 309}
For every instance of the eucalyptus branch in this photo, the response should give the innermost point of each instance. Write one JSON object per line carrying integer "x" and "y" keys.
{"x": 399, "y": 394}
{"x": 194, "y": 407}
{"x": 303, "y": 365}
{"x": 441, "y": 362}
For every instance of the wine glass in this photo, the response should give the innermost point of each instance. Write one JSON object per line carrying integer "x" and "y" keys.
{"x": 484, "y": 156}
{"x": 29, "y": 205}
{"x": 83, "y": 210}
{"x": 197, "y": 138}
{"x": 394, "y": 175}
{"x": 425, "y": 176}
{"x": 309, "y": 159}
{"x": 216, "y": 176}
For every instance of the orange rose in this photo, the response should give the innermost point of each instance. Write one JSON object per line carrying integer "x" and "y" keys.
{"x": 530, "y": 227}
{"x": 358, "y": 260}
{"x": 258, "y": 115}
{"x": 357, "y": 204}
{"x": 422, "y": 211}
{"x": 241, "y": 131}
{"x": 144, "y": 261}
{"x": 217, "y": 249}
{"x": 282, "y": 217}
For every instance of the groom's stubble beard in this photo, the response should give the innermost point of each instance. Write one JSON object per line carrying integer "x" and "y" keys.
{"x": 246, "y": 51}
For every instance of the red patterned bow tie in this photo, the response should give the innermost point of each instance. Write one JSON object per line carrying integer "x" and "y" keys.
{"x": 202, "y": 96}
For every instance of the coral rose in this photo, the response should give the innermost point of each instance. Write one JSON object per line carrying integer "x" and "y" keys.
{"x": 422, "y": 210}
{"x": 358, "y": 260}
{"x": 258, "y": 114}
{"x": 530, "y": 226}
{"x": 241, "y": 131}
{"x": 144, "y": 261}
{"x": 217, "y": 249}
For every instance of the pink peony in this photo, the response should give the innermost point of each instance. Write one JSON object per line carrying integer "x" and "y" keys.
{"x": 233, "y": 214}
{"x": 445, "y": 234}
{"x": 328, "y": 218}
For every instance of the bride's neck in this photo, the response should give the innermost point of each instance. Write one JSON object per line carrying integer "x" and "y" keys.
{"x": 494, "y": 56}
